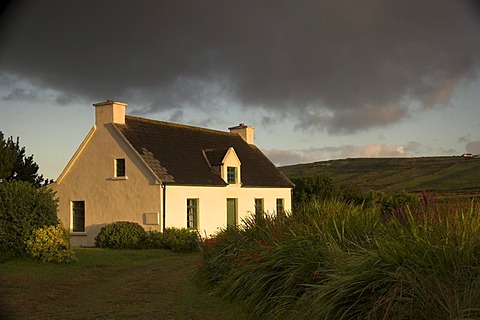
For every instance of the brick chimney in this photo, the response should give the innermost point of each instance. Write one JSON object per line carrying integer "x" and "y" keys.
{"x": 246, "y": 132}
{"x": 109, "y": 112}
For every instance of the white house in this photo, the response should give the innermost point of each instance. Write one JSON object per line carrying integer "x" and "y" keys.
{"x": 162, "y": 174}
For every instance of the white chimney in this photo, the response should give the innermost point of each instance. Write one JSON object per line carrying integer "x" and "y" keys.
{"x": 109, "y": 112}
{"x": 246, "y": 132}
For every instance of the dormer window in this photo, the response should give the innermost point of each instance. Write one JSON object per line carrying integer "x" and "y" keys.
{"x": 231, "y": 175}
{"x": 226, "y": 164}
{"x": 120, "y": 167}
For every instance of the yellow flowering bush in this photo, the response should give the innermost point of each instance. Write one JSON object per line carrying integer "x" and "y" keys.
{"x": 50, "y": 244}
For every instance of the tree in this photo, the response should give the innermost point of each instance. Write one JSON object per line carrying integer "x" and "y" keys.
{"x": 23, "y": 208}
{"x": 14, "y": 165}
{"x": 323, "y": 187}
{"x": 319, "y": 187}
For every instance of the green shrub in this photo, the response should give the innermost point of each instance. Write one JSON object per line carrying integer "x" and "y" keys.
{"x": 395, "y": 203}
{"x": 154, "y": 240}
{"x": 121, "y": 235}
{"x": 180, "y": 240}
{"x": 50, "y": 244}
{"x": 23, "y": 208}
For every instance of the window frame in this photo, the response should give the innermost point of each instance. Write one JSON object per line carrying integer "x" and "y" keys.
{"x": 76, "y": 218}
{"x": 232, "y": 173}
{"x": 123, "y": 166}
{"x": 192, "y": 217}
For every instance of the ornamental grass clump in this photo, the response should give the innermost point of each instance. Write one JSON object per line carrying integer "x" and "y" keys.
{"x": 270, "y": 263}
{"x": 330, "y": 260}
{"x": 430, "y": 259}
{"x": 50, "y": 244}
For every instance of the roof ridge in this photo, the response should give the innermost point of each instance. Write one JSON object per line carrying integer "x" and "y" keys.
{"x": 179, "y": 125}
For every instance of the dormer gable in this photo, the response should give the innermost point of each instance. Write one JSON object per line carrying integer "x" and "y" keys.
{"x": 231, "y": 158}
{"x": 230, "y": 170}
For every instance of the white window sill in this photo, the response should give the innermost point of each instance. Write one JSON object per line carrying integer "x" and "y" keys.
{"x": 119, "y": 178}
{"x": 77, "y": 233}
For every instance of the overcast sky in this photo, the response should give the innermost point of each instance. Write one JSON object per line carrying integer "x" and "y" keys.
{"x": 318, "y": 79}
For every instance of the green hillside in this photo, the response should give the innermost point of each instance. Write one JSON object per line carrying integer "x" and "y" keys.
{"x": 440, "y": 175}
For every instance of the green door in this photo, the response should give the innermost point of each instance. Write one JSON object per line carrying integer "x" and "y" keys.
{"x": 231, "y": 212}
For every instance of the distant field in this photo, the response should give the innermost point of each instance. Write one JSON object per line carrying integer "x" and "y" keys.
{"x": 439, "y": 175}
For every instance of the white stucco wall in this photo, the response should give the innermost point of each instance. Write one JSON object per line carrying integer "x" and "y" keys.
{"x": 90, "y": 177}
{"x": 213, "y": 204}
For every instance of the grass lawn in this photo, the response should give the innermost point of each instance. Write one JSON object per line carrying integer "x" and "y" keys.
{"x": 109, "y": 284}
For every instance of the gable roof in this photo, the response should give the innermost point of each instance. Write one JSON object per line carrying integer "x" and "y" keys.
{"x": 181, "y": 154}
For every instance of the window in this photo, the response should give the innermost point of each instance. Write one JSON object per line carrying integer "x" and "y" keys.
{"x": 78, "y": 216}
{"x": 192, "y": 213}
{"x": 231, "y": 175}
{"x": 120, "y": 167}
{"x": 280, "y": 207}
{"x": 259, "y": 208}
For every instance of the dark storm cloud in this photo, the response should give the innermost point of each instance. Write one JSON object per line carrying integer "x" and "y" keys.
{"x": 342, "y": 66}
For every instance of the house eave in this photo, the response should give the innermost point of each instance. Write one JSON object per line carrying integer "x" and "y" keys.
{"x": 76, "y": 155}
{"x": 179, "y": 184}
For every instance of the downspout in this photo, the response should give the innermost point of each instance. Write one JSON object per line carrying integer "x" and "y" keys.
{"x": 164, "y": 205}
{"x": 291, "y": 200}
